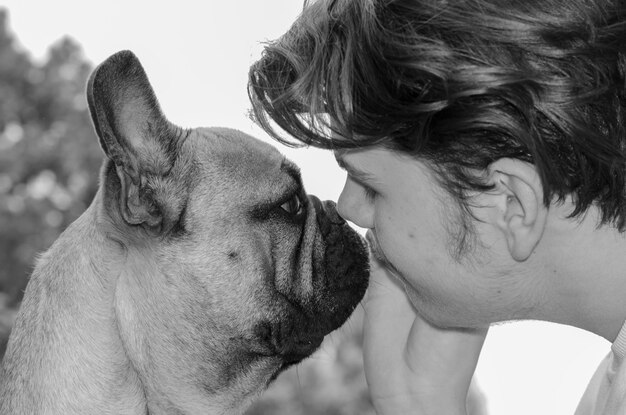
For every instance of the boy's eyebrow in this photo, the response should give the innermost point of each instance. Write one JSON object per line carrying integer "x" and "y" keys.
{"x": 354, "y": 172}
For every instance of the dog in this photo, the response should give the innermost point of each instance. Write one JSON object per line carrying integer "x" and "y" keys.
{"x": 200, "y": 271}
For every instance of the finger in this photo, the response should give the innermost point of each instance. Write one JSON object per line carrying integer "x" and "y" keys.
{"x": 388, "y": 320}
{"x": 385, "y": 290}
{"x": 398, "y": 341}
{"x": 449, "y": 356}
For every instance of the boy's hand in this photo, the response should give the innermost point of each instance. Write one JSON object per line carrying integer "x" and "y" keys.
{"x": 411, "y": 366}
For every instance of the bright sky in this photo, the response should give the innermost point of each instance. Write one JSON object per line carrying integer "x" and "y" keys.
{"x": 197, "y": 54}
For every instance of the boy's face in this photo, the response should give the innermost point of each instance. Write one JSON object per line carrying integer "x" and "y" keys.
{"x": 454, "y": 276}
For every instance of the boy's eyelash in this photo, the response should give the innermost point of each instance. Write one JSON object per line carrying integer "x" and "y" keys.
{"x": 370, "y": 194}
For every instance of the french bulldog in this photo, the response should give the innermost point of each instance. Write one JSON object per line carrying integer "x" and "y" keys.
{"x": 200, "y": 271}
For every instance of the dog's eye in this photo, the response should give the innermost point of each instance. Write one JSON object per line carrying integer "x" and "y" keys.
{"x": 293, "y": 206}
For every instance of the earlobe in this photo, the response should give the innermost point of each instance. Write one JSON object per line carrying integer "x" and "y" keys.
{"x": 520, "y": 209}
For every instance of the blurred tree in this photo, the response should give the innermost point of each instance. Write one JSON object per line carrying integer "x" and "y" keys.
{"x": 49, "y": 155}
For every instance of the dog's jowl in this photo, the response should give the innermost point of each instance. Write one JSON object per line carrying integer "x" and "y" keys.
{"x": 199, "y": 272}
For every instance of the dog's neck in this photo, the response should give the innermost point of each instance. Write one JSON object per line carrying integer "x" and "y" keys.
{"x": 65, "y": 355}
{"x": 77, "y": 346}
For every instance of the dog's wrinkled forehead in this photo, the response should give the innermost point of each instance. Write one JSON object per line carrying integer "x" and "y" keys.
{"x": 255, "y": 167}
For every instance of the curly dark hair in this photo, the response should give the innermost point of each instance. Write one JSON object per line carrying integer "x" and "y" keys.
{"x": 460, "y": 84}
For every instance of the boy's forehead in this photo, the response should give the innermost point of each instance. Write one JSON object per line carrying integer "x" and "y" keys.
{"x": 368, "y": 163}
{"x": 343, "y": 158}
{"x": 339, "y": 154}
{"x": 352, "y": 161}
{"x": 348, "y": 156}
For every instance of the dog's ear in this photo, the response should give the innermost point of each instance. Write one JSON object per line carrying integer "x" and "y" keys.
{"x": 133, "y": 133}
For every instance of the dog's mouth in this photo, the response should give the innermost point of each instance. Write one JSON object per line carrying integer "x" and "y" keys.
{"x": 345, "y": 267}
{"x": 339, "y": 280}
{"x": 286, "y": 339}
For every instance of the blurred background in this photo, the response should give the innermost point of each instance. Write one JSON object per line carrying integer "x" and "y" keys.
{"x": 197, "y": 55}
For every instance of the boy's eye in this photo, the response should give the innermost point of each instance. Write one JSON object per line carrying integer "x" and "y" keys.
{"x": 370, "y": 194}
{"x": 293, "y": 206}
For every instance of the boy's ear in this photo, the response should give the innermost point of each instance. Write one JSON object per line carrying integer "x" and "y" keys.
{"x": 134, "y": 134}
{"x": 519, "y": 209}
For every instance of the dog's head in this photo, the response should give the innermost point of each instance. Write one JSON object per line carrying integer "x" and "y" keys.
{"x": 230, "y": 271}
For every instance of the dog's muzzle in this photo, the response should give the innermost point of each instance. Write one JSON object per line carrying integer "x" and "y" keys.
{"x": 339, "y": 280}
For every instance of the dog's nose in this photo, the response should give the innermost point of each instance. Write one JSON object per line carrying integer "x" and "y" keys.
{"x": 326, "y": 214}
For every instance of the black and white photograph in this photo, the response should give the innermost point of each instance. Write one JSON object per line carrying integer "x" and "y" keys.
{"x": 313, "y": 207}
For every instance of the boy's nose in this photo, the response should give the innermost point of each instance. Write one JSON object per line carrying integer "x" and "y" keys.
{"x": 353, "y": 207}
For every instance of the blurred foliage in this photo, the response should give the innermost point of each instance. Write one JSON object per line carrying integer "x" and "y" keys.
{"x": 49, "y": 167}
{"x": 49, "y": 154}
